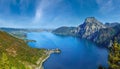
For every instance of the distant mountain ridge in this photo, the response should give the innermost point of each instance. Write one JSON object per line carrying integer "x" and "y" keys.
{"x": 65, "y": 31}
{"x": 23, "y": 29}
{"x": 21, "y": 32}
{"x": 111, "y": 24}
{"x": 93, "y": 30}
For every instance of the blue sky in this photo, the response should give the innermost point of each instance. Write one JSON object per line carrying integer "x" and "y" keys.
{"x": 56, "y": 13}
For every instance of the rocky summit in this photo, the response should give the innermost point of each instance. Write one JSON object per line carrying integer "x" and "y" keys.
{"x": 94, "y": 30}
{"x": 89, "y": 27}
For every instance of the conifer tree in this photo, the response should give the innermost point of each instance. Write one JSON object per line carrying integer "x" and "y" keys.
{"x": 114, "y": 56}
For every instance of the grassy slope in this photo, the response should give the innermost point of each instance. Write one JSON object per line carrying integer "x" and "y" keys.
{"x": 18, "y": 53}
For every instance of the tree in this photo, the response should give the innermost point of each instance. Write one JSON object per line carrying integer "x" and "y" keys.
{"x": 114, "y": 56}
{"x": 4, "y": 63}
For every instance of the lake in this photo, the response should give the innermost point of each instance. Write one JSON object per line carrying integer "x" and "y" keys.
{"x": 75, "y": 53}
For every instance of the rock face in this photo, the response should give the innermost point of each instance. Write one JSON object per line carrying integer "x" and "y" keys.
{"x": 89, "y": 27}
{"x": 106, "y": 35}
{"x": 98, "y": 32}
{"x": 94, "y": 30}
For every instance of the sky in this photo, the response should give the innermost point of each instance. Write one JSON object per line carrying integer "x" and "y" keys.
{"x": 56, "y": 13}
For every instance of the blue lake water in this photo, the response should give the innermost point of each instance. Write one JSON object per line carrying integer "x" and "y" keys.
{"x": 75, "y": 53}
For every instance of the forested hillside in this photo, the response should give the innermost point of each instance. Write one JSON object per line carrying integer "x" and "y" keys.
{"x": 16, "y": 54}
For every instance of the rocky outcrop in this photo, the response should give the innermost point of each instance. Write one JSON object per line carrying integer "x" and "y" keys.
{"x": 89, "y": 27}
{"x": 105, "y": 36}
{"x": 93, "y": 30}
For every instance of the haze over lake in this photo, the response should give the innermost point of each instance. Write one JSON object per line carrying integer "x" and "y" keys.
{"x": 75, "y": 53}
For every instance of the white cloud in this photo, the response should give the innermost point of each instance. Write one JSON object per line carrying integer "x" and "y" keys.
{"x": 105, "y": 6}
{"x": 42, "y": 7}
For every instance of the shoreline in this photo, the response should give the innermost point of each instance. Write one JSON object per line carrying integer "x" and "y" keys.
{"x": 41, "y": 64}
{"x": 49, "y": 52}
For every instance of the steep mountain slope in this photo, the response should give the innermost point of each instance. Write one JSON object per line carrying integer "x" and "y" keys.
{"x": 89, "y": 27}
{"x": 14, "y": 53}
{"x": 99, "y": 33}
{"x": 107, "y": 35}
{"x": 94, "y": 30}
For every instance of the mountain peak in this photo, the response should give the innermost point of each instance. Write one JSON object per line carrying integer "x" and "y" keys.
{"x": 89, "y": 27}
{"x": 91, "y": 20}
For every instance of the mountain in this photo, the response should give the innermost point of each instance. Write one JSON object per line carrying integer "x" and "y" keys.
{"x": 16, "y": 54}
{"x": 65, "y": 31}
{"x": 94, "y": 30}
{"x": 20, "y": 32}
{"x": 111, "y": 24}
{"x": 89, "y": 27}
{"x": 107, "y": 35}
{"x": 23, "y": 30}
{"x": 17, "y": 32}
